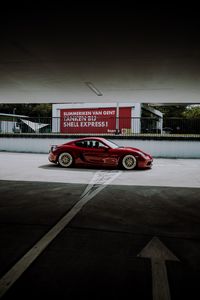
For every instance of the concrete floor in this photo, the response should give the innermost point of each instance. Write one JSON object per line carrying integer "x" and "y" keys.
{"x": 83, "y": 230}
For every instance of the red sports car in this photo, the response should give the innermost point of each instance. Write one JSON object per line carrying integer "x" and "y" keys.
{"x": 98, "y": 152}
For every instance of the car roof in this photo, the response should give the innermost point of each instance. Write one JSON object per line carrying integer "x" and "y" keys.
{"x": 89, "y": 138}
{"x": 85, "y": 139}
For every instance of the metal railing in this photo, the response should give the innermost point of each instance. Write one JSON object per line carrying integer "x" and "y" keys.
{"x": 104, "y": 126}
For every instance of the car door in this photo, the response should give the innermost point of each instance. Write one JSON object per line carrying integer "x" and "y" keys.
{"x": 96, "y": 153}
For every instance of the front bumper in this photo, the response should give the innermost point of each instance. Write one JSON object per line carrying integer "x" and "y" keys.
{"x": 52, "y": 157}
{"x": 145, "y": 163}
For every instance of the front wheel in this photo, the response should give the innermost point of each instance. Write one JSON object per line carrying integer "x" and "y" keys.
{"x": 129, "y": 162}
{"x": 65, "y": 160}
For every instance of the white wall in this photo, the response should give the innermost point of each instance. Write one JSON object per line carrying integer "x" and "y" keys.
{"x": 163, "y": 148}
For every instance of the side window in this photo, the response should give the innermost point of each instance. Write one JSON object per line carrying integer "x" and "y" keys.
{"x": 85, "y": 144}
{"x": 90, "y": 144}
{"x": 79, "y": 144}
{"x": 96, "y": 144}
{"x": 102, "y": 146}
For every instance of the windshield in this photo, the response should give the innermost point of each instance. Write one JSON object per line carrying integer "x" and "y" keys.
{"x": 111, "y": 144}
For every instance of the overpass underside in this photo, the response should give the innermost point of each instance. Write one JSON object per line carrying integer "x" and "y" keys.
{"x": 57, "y": 58}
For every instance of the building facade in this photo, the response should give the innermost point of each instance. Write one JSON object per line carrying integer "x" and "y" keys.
{"x": 104, "y": 118}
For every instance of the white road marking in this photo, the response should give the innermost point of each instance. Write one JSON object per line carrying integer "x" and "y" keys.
{"x": 158, "y": 253}
{"x": 100, "y": 180}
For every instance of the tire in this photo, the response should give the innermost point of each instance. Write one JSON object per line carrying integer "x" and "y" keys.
{"x": 65, "y": 160}
{"x": 129, "y": 162}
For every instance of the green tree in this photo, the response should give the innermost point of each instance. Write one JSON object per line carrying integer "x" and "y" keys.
{"x": 30, "y": 110}
{"x": 192, "y": 112}
{"x": 42, "y": 110}
{"x": 172, "y": 111}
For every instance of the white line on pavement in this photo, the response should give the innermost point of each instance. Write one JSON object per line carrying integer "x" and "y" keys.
{"x": 100, "y": 180}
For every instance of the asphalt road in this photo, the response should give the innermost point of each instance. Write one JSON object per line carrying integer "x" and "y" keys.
{"x": 92, "y": 234}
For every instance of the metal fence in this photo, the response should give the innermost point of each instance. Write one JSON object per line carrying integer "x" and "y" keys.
{"x": 106, "y": 126}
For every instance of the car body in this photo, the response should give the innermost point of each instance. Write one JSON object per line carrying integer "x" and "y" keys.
{"x": 100, "y": 152}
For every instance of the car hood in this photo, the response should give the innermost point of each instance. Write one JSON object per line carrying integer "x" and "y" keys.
{"x": 136, "y": 150}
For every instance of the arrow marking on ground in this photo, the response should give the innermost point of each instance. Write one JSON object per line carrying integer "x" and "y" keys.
{"x": 99, "y": 181}
{"x": 158, "y": 253}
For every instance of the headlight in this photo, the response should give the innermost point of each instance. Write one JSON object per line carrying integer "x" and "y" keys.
{"x": 53, "y": 147}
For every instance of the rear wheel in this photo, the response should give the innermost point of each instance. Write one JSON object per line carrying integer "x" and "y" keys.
{"x": 65, "y": 160}
{"x": 129, "y": 162}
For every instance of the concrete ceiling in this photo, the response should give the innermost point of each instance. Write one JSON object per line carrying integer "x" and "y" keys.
{"x": 57, "y": 57}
